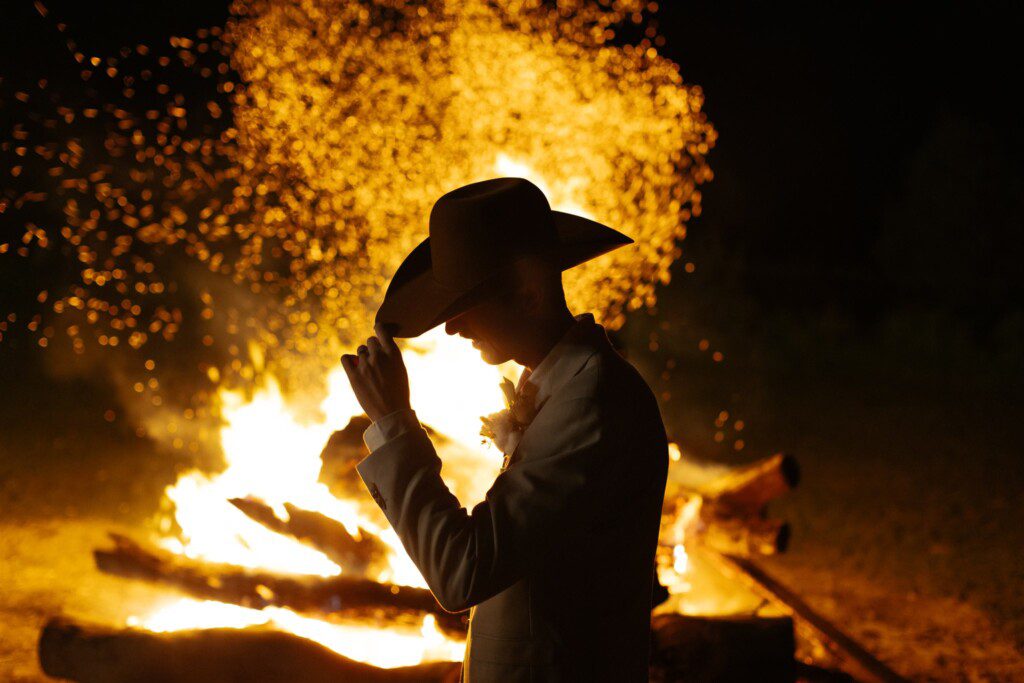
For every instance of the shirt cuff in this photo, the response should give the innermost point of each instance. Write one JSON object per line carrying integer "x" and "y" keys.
{"x": 389, "y": 427}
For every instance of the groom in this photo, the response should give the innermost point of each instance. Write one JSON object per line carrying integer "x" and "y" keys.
{"x": 556, "y": 565}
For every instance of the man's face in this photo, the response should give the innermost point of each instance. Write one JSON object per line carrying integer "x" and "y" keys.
{"x": 491, "y": 326}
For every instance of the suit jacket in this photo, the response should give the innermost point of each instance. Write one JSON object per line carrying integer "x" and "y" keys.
{"x": 557, "y": 562}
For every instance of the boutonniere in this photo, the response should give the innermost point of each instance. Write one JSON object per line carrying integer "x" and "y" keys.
{"x": 505, "y": 427}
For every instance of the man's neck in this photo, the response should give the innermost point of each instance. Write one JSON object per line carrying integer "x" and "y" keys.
{"x": 545, "y": 333}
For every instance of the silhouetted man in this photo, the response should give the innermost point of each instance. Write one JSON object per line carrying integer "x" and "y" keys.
{"x": 556, "y": 564}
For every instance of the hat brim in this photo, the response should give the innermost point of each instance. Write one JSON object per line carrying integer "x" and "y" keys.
{"x": 415, "y": 302}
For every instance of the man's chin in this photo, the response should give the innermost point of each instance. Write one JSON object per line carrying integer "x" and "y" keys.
{"x": 489, "y": 355}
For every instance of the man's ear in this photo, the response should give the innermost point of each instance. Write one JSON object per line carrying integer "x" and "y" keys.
{"x": 531, "y": 297}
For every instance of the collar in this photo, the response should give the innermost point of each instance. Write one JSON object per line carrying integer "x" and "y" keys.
{"x": 563, "y": 361}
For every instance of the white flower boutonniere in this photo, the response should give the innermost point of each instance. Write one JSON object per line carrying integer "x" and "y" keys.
{"x": 506, "y": 427}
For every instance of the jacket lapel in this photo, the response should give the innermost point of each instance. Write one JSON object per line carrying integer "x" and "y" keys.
{"x": 563, "y": 362}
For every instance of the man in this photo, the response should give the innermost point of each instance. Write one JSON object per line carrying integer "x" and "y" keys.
{"x": 557, "y": 563}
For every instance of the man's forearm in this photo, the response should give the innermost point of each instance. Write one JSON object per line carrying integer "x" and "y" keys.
{"x": 455, "y": 551}
{"x": 468, "y": 557}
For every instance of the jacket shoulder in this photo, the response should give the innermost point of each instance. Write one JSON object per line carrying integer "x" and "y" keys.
{"x": 612, "y": 381}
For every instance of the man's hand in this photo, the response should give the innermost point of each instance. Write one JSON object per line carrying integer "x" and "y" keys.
{"x": 378, "y": 376}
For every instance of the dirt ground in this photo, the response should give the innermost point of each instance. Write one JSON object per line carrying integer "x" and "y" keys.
{"x": 907, "y": 532}
{"x": 60, "y": 493}
{"x": 47, "y": 570}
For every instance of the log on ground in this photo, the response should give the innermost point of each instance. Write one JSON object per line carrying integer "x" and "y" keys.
{"x": 744, "y": 491}
{"x": 722, "y": 648}
{"x": 745, "y": 537}
{"x": 311, "y": 595}
{"x": 356, "y": 555}
{"x": 90, "y": 654}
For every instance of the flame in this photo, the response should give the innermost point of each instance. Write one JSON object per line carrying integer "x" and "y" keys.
{"x": 386, "y": 648}
{"x": 674, "y": 571}
{"x": 272, "y": 454}
{"x": 681, "y": 561}
{"x": 275, "y": 456}
{"x": 269, "y": 455}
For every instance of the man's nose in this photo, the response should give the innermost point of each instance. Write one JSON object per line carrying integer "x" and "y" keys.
{"x": 450, "y": 327}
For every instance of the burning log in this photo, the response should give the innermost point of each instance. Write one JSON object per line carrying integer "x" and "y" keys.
{"x": 745, "y": 537}
{"x": 732, "y": 504}
{"x": 744, "y": 491}
{"x": 684, "y": 648}
{"x": 318, "y": 596}
{"x": 356, "y": 555}
{"x": 340, "y": 456}
{"x": 87, "y": 653}
{"x": 733, "y": 509}
{"x": 344, "y": 450}
{"x": 724, "y": 648}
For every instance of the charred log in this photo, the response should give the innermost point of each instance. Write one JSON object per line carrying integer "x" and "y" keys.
{"x": 312, "y": 595}
{"x": 90, "y": 653}
{"x": 355, "y": 555}
{"x": 744, "y": 491}
{"x": 727, "y": 648}
{"x": 340, "y": 456}
{"x": 746, "y": 537}
{"x": 344, "y": 450}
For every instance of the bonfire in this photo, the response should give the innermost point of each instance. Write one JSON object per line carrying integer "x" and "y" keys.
{"x": 259, "y": 216}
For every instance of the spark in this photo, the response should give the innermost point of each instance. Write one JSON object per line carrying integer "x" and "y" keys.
{"x": 265, "y": 205}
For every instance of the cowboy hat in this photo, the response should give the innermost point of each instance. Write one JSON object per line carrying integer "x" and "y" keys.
{"x": 476, "y": 233}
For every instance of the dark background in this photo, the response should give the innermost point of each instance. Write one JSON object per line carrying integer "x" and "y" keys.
{"x": 858, "y": 263}
{"x": 870, "y": 155}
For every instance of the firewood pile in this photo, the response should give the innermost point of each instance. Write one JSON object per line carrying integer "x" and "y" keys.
{"x": 731, "y": 519}
{"x": 733, "y": 503}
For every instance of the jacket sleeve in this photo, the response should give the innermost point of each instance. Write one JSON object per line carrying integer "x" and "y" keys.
{"x": 468, "y": 556}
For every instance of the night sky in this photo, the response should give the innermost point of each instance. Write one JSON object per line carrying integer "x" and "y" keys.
{"x": 867, "y": 159}
{"x": 841, "y": 129}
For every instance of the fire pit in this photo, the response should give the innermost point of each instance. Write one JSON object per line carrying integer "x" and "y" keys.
{"x": 286, "y": 561}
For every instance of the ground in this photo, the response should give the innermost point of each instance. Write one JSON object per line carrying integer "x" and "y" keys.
{"x": 916, "y": 556}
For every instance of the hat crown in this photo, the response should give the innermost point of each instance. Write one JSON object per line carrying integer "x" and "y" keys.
{"x": 478, "y": 229}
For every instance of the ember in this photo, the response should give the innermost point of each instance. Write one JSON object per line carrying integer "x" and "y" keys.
{"x": 263, "y": 235}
